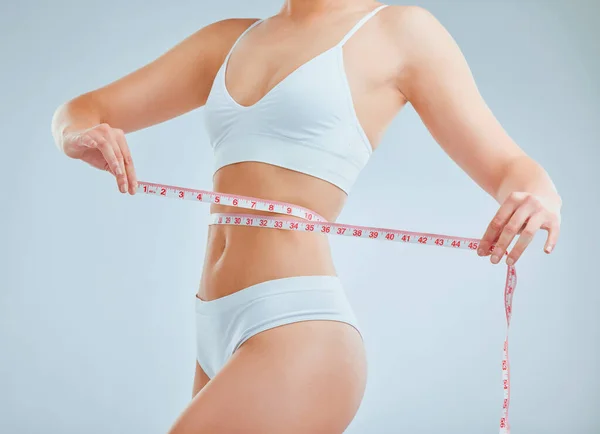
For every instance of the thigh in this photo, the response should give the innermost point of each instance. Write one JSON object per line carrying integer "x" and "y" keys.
{"x": 200, "y": 380}
{"x": 303, "y": 377}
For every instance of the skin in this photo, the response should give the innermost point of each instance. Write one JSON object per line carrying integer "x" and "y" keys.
{"x": 311, "y": 375}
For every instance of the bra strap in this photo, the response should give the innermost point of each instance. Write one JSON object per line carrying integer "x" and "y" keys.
{"x": 361, "y": 23}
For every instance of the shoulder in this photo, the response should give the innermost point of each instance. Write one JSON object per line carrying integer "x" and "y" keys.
{"x": 225, "y": 32}
{"x": 408, "y": 17}
{"x": 212, "y": 42}
{"x": 231, "y": 25}
{"x": 412, "y": 26}
{"x": 417, "y": 37}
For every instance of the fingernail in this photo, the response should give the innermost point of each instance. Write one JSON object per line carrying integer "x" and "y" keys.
{"x": 510, "y": 261}
{"x": 122, "y": 188}
{"x": 549, "y": 248}
{"x": 495, "y": 259}
{"x": 480, "y": 252}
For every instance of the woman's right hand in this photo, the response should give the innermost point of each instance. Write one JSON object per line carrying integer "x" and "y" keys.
{"x": 104, "y": 148}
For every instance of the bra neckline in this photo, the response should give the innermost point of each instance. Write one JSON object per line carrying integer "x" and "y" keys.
{"x": 278, "y": 84}
{"x": 337, "y": 47}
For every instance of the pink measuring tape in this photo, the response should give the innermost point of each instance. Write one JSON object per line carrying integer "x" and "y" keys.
{"x": 304, "y": 220}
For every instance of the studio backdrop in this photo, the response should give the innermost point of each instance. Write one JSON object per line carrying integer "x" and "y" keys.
{"x": 97, "y": 288}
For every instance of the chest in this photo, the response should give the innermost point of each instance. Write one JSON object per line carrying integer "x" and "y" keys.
{"x": 305, "y": 84}
{"x": 271, "y": 57}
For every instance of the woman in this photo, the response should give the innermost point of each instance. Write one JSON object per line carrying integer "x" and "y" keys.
{"x": 295, "y": 104}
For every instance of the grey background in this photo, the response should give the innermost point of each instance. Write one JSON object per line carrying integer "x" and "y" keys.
{"x": 96, "y": 289}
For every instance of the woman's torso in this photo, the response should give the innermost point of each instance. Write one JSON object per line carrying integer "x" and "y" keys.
{"x": 261, "y": 62}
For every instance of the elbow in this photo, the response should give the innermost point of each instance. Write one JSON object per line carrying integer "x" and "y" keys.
{"x": 79, "y": 113}
{"x": 57, "y": 126}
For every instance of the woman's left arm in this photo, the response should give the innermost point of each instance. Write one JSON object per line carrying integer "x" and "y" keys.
{"x": 437, "y": 81}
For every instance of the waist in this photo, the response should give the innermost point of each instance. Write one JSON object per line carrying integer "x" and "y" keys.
{"x": 241, "y": 256}
{"x": 278, "y": 184}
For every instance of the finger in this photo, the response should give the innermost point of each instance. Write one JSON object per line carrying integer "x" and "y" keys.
{"x": 553, "y": 228}
{"x": 127, "y": 160}
{"x": 533, "y": 225}
{"x": 495, "y": 227}
{"x": 99, "y": 143}
{"x": 108, "y": 147}
{"x": 510, "y": 230}
{"x": 121, "y": 179}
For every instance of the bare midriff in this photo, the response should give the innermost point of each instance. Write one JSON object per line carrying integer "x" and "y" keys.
{"x": 241, "y": 256}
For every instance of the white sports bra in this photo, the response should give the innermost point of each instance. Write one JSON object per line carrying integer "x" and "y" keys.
{"x": 306, "y": 123}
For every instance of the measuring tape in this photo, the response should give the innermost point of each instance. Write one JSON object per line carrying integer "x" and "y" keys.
{"x": 302, "y": 219}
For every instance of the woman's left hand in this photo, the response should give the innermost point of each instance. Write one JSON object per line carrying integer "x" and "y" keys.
{"x": 524, "y": 214}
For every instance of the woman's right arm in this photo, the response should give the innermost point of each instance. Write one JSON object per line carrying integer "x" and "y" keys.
{"x": 92, "y": 127}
